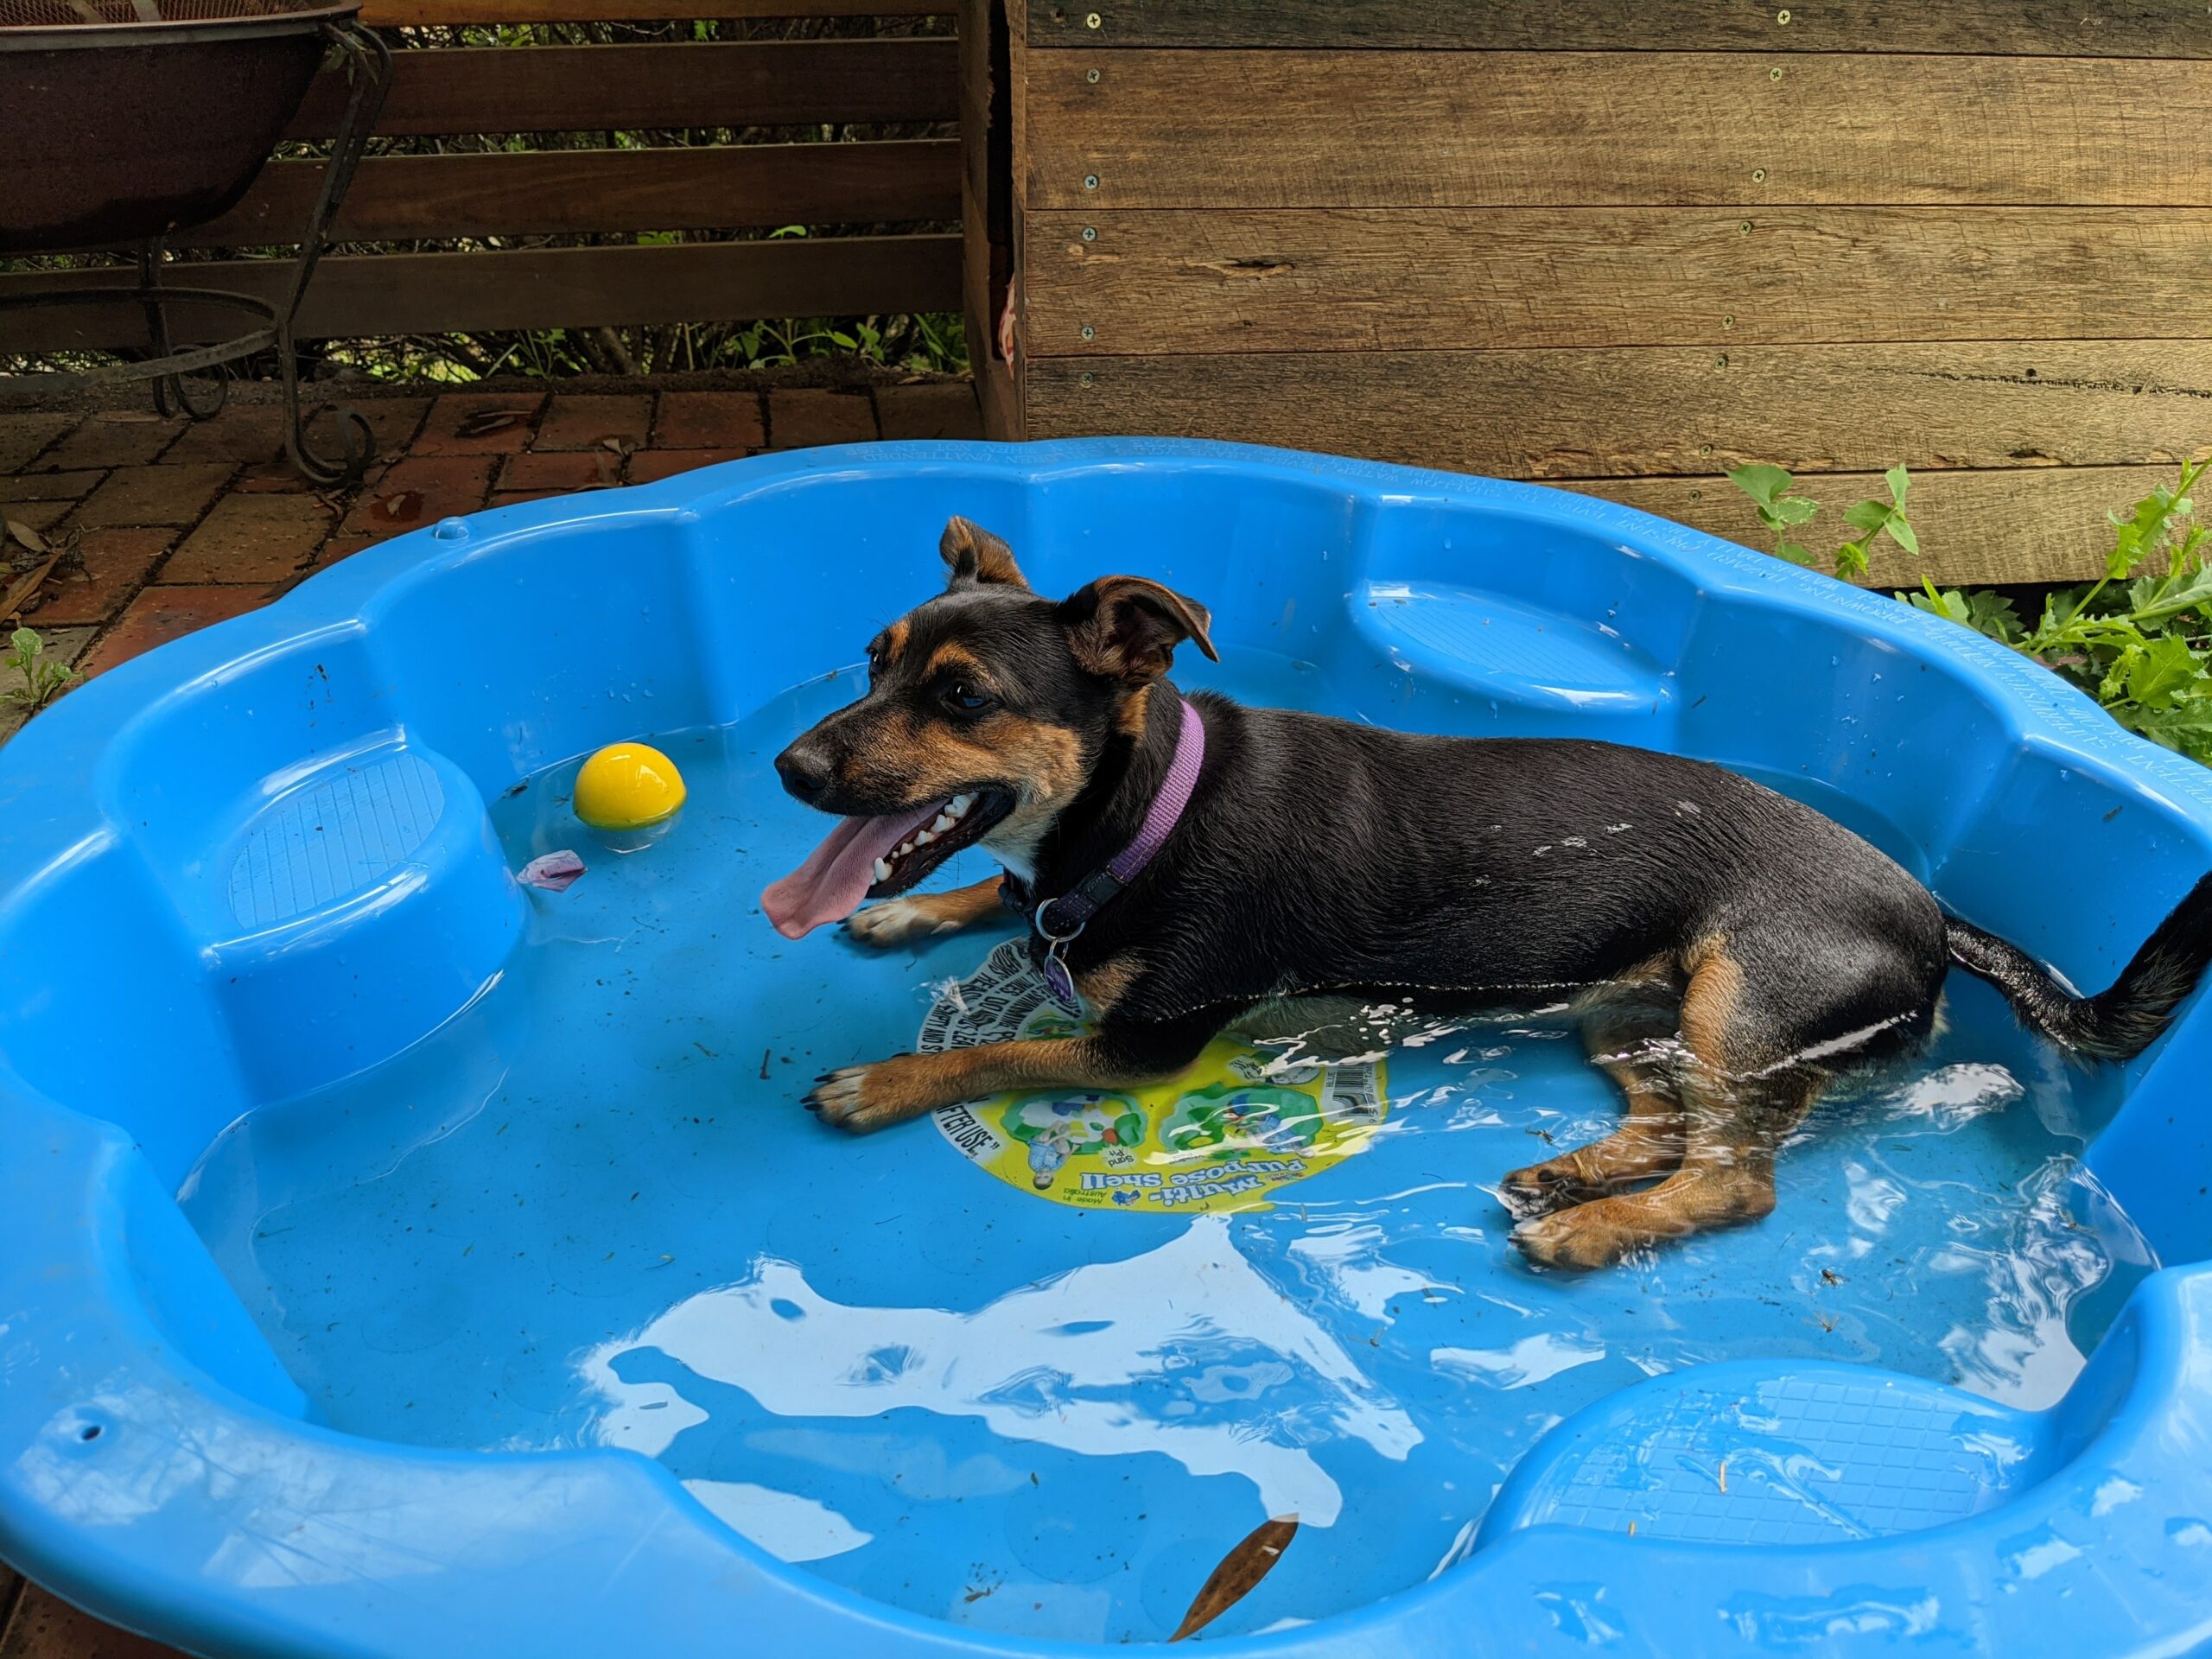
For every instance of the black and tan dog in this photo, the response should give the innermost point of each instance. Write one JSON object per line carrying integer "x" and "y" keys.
{"x": 1725, "y": 948}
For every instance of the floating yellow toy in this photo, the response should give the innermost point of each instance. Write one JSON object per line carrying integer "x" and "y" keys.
{"x": 628, "y": 786}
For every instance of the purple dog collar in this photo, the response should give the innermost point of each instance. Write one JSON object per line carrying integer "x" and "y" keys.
{"x": 1058, "y": 921}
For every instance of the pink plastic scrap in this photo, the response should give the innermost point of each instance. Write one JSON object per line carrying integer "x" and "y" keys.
{"x": 555, "y": 872}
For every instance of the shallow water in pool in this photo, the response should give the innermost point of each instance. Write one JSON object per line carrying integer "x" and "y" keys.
{"x": 591, "y": 1212}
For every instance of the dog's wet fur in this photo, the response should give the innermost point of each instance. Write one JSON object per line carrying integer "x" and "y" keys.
{"x": 1725, "y": 949}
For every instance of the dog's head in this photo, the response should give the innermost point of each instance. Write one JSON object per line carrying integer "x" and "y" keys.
{"x": 987, "y": 709}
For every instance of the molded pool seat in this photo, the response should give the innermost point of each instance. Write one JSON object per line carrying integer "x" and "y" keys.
{"x": 1741, "y": 1453}
{"x": 354, "y": 907}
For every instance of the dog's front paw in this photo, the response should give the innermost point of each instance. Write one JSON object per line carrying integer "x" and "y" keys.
{"x": 880, "y": 927}
{"x": 859, "y": 1099}
{"x": 1542, "y": 1188}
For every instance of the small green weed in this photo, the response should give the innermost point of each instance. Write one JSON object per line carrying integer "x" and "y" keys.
{"x": 1783, "y": 511}
{"x": 2141, "y": 645}
{"x": 42, "y": 681}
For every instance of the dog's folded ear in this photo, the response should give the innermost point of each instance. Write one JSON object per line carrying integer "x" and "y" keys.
{"x": 975, "y": 554}
{"x": 1126, "y": 628}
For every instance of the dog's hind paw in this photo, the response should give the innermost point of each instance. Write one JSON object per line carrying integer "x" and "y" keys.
{"x": 1576, "y": 1240}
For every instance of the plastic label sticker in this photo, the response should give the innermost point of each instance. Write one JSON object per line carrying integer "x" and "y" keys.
{"x": 1224, "y": 1135}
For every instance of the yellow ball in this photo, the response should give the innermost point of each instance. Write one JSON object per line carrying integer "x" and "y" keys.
{"x": 628, "y": 787}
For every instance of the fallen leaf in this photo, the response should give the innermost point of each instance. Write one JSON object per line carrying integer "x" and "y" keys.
{"x": 618, "y": 445}
{"x": 29, "y": 537}
{"x": 404, "y": 508}
{"x": 485, "y": 422}
{"x": 1239, "y": 1573}
{"x": 26, "y": 587}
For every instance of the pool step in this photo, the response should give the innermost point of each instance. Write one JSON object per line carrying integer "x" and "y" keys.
{"x": 1510, "y": 652}
{"x": 361, "y": 902}
{"x": 1740, "y": 1453}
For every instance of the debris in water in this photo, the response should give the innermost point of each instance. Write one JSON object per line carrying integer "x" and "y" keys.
{"x": 1239, "y": 1573}
{"x": 555, "y": 872}
{"x": 1830, "y": 1276}
{"x": 764, "y": 1066}
{"x": 1723, "y": 1476}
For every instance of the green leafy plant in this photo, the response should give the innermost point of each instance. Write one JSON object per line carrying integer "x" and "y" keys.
{"x": 1773, "y": 492}
{"x": 42, "y": 681}
{"x": 2141, "y": 645}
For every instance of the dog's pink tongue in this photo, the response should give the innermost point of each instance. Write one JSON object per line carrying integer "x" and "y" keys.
{"x": 838, "y": 874}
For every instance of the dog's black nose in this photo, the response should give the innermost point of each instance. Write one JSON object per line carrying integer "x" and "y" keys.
{"x": 805, "y": 770}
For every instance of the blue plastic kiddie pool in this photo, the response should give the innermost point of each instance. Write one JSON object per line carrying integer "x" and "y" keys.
{"x": 396, "y": 1258}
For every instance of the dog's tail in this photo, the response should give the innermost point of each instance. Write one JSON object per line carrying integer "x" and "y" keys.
{"x": 2116, "y": 1024}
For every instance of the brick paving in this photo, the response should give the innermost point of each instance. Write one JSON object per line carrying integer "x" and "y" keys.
{"x": 175, "y": 525}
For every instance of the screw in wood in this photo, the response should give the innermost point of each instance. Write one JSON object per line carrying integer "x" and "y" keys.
{"x": 1728, "y": 322}
{"x": 1773, "y": 74}
{"x": 1721, "y": 361}
{"x": 1781, "y": 17}
{"x": 1759, "y": 175}
{"x": 1091, "y": 233}
{"x": 1088, "y": 331}
{"x": 1082, "y": 379}
{"x": 1092, "y": 76}
{"x": 1091, "y": 22}
{"x": 1091, "y": 183}
{"x": 1705, "y": 448}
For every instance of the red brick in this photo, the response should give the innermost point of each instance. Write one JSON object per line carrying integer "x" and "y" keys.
{"x": 252, "y": 538}
{"x": 586, "y": 422}
{"x": 46, "y": 1627}
{"x": 578, "y": 469}
{"x": 935, "y": 409}
{"x": 710, "y": 420}
{"x": 36, "y": 515}
{"x": 393, "y": 422}
{"x": 443, "y": 435}
{"x": 154, "y": 495}
{"x": 649, "y": 465}
{"x": 113, "y": 438}
{"x": 21, "y": 436}
{"x": 238, "y": 432}
{"x": 800, "y": 417}
{"x": 516, "y": 497}
{"x": 49, "y": 486}
{"x": 160, "y": 614}
{"x": 420, "y": 491}
{"x": 117, "y": 564}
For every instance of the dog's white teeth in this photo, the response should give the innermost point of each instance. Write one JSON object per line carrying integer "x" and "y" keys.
{"x": 882, "y": 871}
{"x": 958, "y": 805}
{"x": 905, "y": 848}
{"x": 944, "y": 822}
{"x": 923, "y": 838}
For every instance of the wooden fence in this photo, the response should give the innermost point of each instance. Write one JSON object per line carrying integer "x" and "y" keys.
{"x": 1621, "y": 248}
{"x": 505, "y": 90}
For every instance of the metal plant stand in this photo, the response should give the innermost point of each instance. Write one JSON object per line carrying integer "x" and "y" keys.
{"x": 182, "y": 381}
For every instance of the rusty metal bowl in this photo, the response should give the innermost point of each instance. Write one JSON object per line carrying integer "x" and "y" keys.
{"x": 133, "y": 119}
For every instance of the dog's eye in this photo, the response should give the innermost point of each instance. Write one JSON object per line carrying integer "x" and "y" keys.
{"x": 965, "y": 697}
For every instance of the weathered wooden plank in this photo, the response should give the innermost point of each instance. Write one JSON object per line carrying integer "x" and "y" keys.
{"x": 1400, "y": 279}
{"x": 552, "y": 287}
{"x": 2044, "y": 524}
{"x": 2148, "y": 28}
{"x": 1242, "y": 128}
{"x": 1661, "y": 409}
{"x": 383, "y": 13}
{"x": 549, "y": 192}
{"x": 590, "y": 88}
